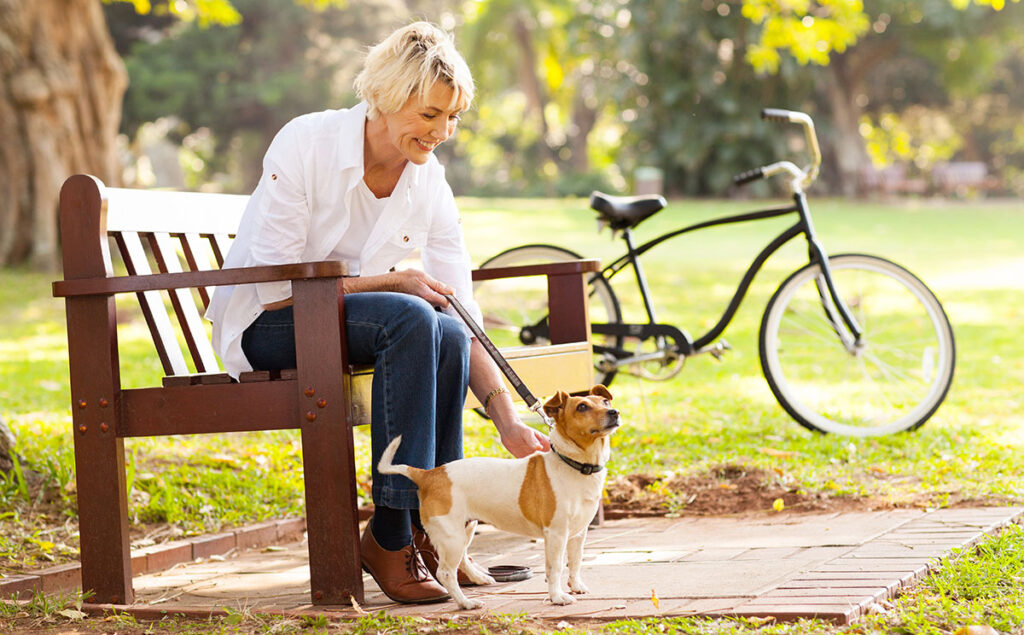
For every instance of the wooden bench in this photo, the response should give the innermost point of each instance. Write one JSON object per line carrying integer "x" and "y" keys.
{"x": 962, "y": 178}
{"x": 171, "y": 247}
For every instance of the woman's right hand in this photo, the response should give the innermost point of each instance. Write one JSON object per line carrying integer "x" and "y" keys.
{"x": 415, "y": 282}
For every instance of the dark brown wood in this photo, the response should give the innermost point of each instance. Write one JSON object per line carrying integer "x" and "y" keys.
{"x": 130, "y": 248}
{"x": 205, "y": 409}
{"x": 327, "y": 446}
{"x": 95, "y": 401}
{"x": 569, "y": 319}
{"x": 165, "y": 281}
{"x": 549, "y": 269}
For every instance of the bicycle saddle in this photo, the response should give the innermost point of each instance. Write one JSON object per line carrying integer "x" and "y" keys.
{"x": 622, "y": 212}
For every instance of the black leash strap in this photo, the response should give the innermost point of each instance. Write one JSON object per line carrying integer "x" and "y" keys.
{"x": 502, "y": 363}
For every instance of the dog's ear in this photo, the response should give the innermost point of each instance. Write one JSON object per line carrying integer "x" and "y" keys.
{"x": 601, "y": 391}
{"x": 555, "y": 403}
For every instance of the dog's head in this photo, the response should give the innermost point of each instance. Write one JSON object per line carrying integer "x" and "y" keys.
{"x": 583, "y": 419}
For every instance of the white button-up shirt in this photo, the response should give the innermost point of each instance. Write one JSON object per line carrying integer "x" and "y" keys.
{"x": 301, "y": 208}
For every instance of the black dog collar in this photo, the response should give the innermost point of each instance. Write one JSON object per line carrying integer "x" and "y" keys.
{"x": 583, "y": 468}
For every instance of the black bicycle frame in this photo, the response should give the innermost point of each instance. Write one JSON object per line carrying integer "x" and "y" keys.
{"x": 816, "y": 254}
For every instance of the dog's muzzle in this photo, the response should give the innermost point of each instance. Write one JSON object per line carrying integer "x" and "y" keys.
{"x": 611, "y": 420}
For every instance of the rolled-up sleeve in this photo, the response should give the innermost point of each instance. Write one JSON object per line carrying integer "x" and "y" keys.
{"x": 445, "y": 256}
{"x": 283, "y": 221}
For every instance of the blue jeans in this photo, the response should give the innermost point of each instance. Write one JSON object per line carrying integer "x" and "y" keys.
{"x": 420, "y": 360}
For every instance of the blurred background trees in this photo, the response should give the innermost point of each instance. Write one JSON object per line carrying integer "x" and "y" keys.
{"x": 572, "y": 94}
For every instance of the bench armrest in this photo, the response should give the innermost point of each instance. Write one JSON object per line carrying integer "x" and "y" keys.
{"x": 549, "y": 269}
{"x": 190, "y": 279}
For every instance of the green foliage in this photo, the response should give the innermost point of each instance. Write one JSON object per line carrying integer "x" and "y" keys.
{"x": 245, "y": 80}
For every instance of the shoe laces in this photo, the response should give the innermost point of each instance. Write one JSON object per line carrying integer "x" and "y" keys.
{"x": 414, "y": 562}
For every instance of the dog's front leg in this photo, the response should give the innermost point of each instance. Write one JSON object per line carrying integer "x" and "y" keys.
{"x": 554, "y": 556}
{"x": 575, "y": 562}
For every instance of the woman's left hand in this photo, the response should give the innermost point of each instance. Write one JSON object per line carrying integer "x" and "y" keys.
{"x": 522, "y": 440}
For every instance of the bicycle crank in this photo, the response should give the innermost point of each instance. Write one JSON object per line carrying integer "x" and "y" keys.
{"x": 716, "y": 350}
{"x": 660, "y": 350}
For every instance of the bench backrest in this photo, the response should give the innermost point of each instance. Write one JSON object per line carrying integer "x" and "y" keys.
{"x": 184, "y": 231}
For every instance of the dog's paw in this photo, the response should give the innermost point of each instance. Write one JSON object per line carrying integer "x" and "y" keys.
{"x": 577, "y": 587}
{"x": 561, "y": 598}
{"x": 470, "y": 605}
{"x": 478, "y": 576}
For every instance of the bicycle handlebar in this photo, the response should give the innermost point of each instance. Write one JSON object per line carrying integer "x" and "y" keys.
{"x": 801, "y": 177}
{"x": 748, "y": 176}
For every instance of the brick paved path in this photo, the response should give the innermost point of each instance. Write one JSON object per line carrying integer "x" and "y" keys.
{"x": 833, "y": 566}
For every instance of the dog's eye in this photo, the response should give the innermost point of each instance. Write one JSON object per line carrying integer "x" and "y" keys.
{"x": 606, "y": 402}
{"x": 583, "y": 407}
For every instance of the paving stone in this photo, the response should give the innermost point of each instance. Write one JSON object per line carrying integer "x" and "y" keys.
{"x": 217, "y": 544}
{"x": 787, "y": 566}
{"x": 18, "y": 585}
{"x": 167, "y": 555}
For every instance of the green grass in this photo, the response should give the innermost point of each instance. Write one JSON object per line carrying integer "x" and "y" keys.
{"x": 712, "y": 413}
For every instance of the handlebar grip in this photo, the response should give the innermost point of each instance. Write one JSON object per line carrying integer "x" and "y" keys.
{"x": 776, "y": 114}
{"x": 748, "y": 176}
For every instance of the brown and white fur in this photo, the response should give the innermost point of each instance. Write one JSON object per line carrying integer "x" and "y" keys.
{"x": 539, "y": 496}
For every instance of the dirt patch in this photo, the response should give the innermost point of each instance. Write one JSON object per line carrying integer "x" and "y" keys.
{"x": 723, "y": 490}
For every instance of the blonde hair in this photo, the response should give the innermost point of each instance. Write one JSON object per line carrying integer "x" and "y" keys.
{"x": 408, "y": 63}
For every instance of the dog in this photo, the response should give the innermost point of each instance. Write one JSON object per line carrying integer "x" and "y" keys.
{"x": 552, "y": 495}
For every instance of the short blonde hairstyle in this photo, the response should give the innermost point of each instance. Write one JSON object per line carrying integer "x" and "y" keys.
{"x": 408, "y": 63}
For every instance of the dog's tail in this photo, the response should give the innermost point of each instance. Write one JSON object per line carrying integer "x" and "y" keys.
{"x": 387, "y": 466}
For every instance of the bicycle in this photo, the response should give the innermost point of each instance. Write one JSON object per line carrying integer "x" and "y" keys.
{"x": 850, "y": 344}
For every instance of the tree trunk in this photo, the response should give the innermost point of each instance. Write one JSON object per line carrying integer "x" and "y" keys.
{"x": 850, "y": 155}
{"x": 6, "y": 447}
{"x": 61, "y": 84}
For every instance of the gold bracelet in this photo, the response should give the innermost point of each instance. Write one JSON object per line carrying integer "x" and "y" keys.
{"x": 491, "y": 395}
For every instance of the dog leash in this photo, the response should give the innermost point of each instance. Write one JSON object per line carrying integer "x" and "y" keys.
{"x": 517, "y": 383}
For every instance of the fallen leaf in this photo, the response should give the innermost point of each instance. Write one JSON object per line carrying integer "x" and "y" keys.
{"x": 779, "y": 505}
{"x": 785, "y": 454}
{"x": 654, "y": 600}
{"x": 273, "y": 548}
{"x": 72, "y": 614}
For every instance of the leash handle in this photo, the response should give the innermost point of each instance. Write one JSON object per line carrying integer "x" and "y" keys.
{"x": 506, "y": 369}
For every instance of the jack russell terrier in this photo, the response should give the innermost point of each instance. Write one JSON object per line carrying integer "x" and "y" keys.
{"x": 552, "y": 495}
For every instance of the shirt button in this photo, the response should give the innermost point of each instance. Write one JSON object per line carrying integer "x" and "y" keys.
{"x": 405, "y": 239}
{"x": 273, "y": 177}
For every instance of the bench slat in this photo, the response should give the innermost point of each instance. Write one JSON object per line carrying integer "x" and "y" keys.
{"x": 184, "y": 306}
{"x": 206, "y": 409}
{"x": 134, "y": 256}
{"x": 173, "y": 212}
{"x": 192, "y": 248}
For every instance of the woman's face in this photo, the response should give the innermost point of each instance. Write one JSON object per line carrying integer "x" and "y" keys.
{"x": 421, "y": 125}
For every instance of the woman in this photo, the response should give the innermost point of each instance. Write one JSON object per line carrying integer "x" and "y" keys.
{"x": 363, "y": 185}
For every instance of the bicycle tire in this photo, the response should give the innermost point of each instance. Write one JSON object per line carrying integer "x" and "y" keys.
{"x": 892, "y": 383}
{"x": 513, "y": 313}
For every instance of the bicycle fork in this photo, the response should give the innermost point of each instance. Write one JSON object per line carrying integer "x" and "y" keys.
{"x": 837, "y": 312}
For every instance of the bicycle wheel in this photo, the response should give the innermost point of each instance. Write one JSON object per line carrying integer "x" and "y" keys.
{"x": 511, "y": 304}
{"x": 893, "y": 381}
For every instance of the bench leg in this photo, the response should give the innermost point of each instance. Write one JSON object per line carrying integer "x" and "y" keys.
{"x": 332, "y": 517}
{"x": 99, "y": 452}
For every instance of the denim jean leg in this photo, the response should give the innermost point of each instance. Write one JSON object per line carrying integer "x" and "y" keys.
{"x": 402, "y": 337}
{"x": 269, "y": 342}
{"x": 452, "y": 382}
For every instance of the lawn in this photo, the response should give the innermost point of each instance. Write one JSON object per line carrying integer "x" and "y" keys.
{"x": 713, "y": 420}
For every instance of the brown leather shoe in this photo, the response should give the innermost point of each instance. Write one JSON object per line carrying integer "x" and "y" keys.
{"x": 421, "y": 541}
{"x": 400, "y": 574}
